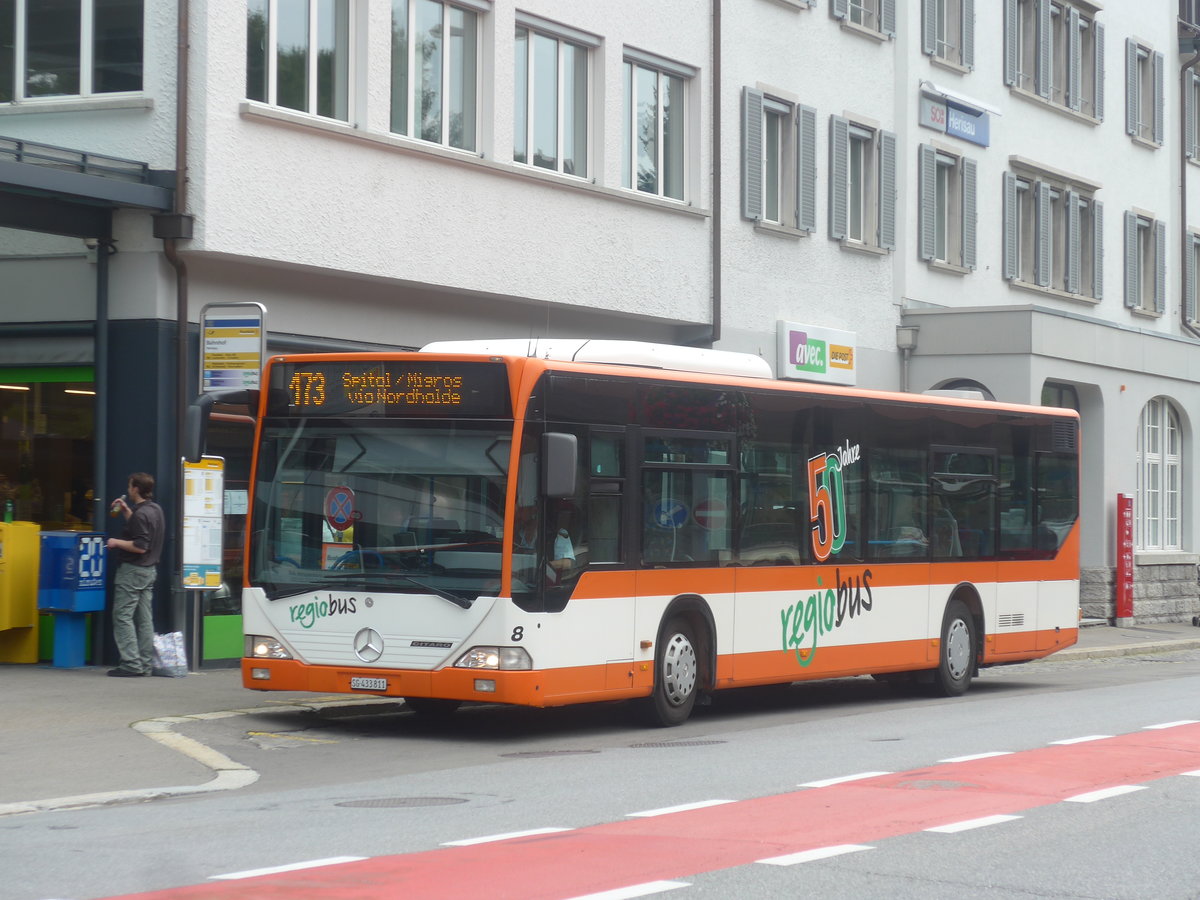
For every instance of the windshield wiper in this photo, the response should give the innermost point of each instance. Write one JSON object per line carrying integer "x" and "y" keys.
{"x": 445, "y": 595}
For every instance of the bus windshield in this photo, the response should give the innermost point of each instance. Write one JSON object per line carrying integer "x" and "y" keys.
{"x": 402, "y": 505}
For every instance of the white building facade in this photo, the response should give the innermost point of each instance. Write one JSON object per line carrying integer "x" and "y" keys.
{"x": 1000, "y": 196}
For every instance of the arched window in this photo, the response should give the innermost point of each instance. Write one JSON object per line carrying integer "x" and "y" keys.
{"x": 1159, "y": 477}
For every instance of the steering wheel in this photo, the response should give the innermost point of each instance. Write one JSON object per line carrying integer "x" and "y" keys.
{"x": 360, "y": 559}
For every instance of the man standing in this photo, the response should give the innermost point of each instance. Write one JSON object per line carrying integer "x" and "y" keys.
{"x": 138, "y": 549}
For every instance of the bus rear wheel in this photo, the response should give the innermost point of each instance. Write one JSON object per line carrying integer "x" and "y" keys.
{"x": 956, "y": 655}
{"x": 676, "y": 674}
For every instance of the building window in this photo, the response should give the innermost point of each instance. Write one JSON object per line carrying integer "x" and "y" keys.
{"x": 69, "y": 48}
{"x": 862, "y": 184}
{"x": 947, "y": 207}
{"x": 1191, "y": 286}
{"x": 1053, "y": 234}
{"x": 654, "y": 156}
{"x": 298, "y": 55}
{"x": 1056, "y": 51}
{"x": 435, "y": 72}
{"x": 1060, "y": 395}
{"x": 47, "y": 445}
{"x": 1143, "y": 93}
{"x": 779, "y": 144}
{"x": 870, "y": 15}
{"x": 550, "y": 127}
{"x": 949, "y": 31}
{"x": 1145, "y": 263}
{"x": 1159, "y": 477}
{"x": 1191, "y": 127}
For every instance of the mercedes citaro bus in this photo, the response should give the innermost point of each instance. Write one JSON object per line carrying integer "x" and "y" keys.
{"x": 553, "y": 522}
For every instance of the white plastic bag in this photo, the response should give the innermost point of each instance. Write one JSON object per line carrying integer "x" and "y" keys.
{"x": 170, "y": 659}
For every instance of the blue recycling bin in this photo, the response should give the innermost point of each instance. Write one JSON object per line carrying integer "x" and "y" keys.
{"x": 70, "y": 585}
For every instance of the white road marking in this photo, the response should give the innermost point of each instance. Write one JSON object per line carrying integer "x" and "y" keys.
{"x": 1170, "y": 724}
{"x": 1093, "y": 796}
{"x": 974, "y": 756}
{"x": 972, "y": 823}
{"x": 503, "y": 837}
{"x": 311, "y": 864}
{"x": 813, "y": 855}
{"x": 635, "y": 890}
{"x": 1081, "y": 740}
{"x": 828, "y": 781}
{"x": 666, "y": 810}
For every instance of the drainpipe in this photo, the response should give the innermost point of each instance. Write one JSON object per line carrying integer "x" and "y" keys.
{"x": 716, "y": 169}
{"x": 1185, "y": 237}
{"x": 171, "y": 228}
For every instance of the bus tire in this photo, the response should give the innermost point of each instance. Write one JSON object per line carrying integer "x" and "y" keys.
{"x": 956, "y": 652}
{"x": 676, "y": 674}
{"x": 432, "y": 707}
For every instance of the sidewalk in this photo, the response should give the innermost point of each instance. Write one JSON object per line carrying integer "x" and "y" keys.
{"x": 74, "y": 737}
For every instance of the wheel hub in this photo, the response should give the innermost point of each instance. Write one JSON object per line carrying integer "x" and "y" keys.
{"x": 679, "y": 670}
{"x": 958, "y": 649}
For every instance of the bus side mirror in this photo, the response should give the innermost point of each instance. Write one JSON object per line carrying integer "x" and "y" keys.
{"x": 560, "y": 463}
{"x": 195, "y": 421}
{"x": 195, "y": 427}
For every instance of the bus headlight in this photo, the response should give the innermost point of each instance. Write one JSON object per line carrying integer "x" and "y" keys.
{"x": 260, "y": 647}
{"x": 495, "y": 658}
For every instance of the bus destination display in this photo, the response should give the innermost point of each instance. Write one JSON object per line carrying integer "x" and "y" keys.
{"x": 389, "y": 388}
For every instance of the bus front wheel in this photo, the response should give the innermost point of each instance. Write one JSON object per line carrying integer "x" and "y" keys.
{"x": 676, "y": 674}
{"x": 956, "y": 655}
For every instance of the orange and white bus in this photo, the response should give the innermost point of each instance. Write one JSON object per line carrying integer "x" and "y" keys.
{"x": 553, "y": 522}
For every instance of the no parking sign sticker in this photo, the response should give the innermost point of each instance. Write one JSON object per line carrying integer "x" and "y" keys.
{"x": 339, "y": 508}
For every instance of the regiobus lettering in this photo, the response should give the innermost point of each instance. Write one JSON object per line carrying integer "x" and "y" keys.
{"x": 547, "y": 523}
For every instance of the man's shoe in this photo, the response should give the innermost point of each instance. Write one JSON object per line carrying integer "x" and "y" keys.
{"x": 123, "y": 673}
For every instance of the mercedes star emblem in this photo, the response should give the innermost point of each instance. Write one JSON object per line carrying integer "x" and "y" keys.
{"x": 368, "y": 645}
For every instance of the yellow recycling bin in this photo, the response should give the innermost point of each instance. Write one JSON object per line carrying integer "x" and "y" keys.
{"x": 19, "y": 562}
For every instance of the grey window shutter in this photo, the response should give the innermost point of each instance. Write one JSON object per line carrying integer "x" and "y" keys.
{"x": 1044, "y": 38}
{"x": 968, "y": 33}
{"x": 1189, "y": 116}
{"x": 839, "y": 9}
{"x": 1073, "y": 243}
{"x": 1011, "y": 226}
{"x": 1098, "y": 30}
{"x": 970, "y": 179}
{"x": 887, "y": 17}
{"x": 1045, "y": 239}
{"x": 1131, "y": 87}
{"x": 1012, "y": 44}
{"x": 887, "y": 190}
{"x": 806, "y": 168}
{"x": 928, "y": 28}
{"x": 1160, "y": 266}
{"x": 1074, "y": 59}
{"x": 839, "y": 164}
{"x": 1097, "y": 249}
{"x": 1131, "y": 260}
{"x": 752, "y": 153}
{"x": 1189, "y": 280}
{"x": 1159, "y": 110}
{"x": 927, "y": 209}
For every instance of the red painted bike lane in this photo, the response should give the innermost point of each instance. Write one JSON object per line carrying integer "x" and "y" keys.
{"x": 677, "y": 845}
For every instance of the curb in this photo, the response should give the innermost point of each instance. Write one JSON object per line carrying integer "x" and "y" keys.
{"x": 229, "y": 776}
{"x": 1077, "y": 652}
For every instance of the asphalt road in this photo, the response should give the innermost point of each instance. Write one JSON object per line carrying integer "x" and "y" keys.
{"x": 390, "y": 791}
